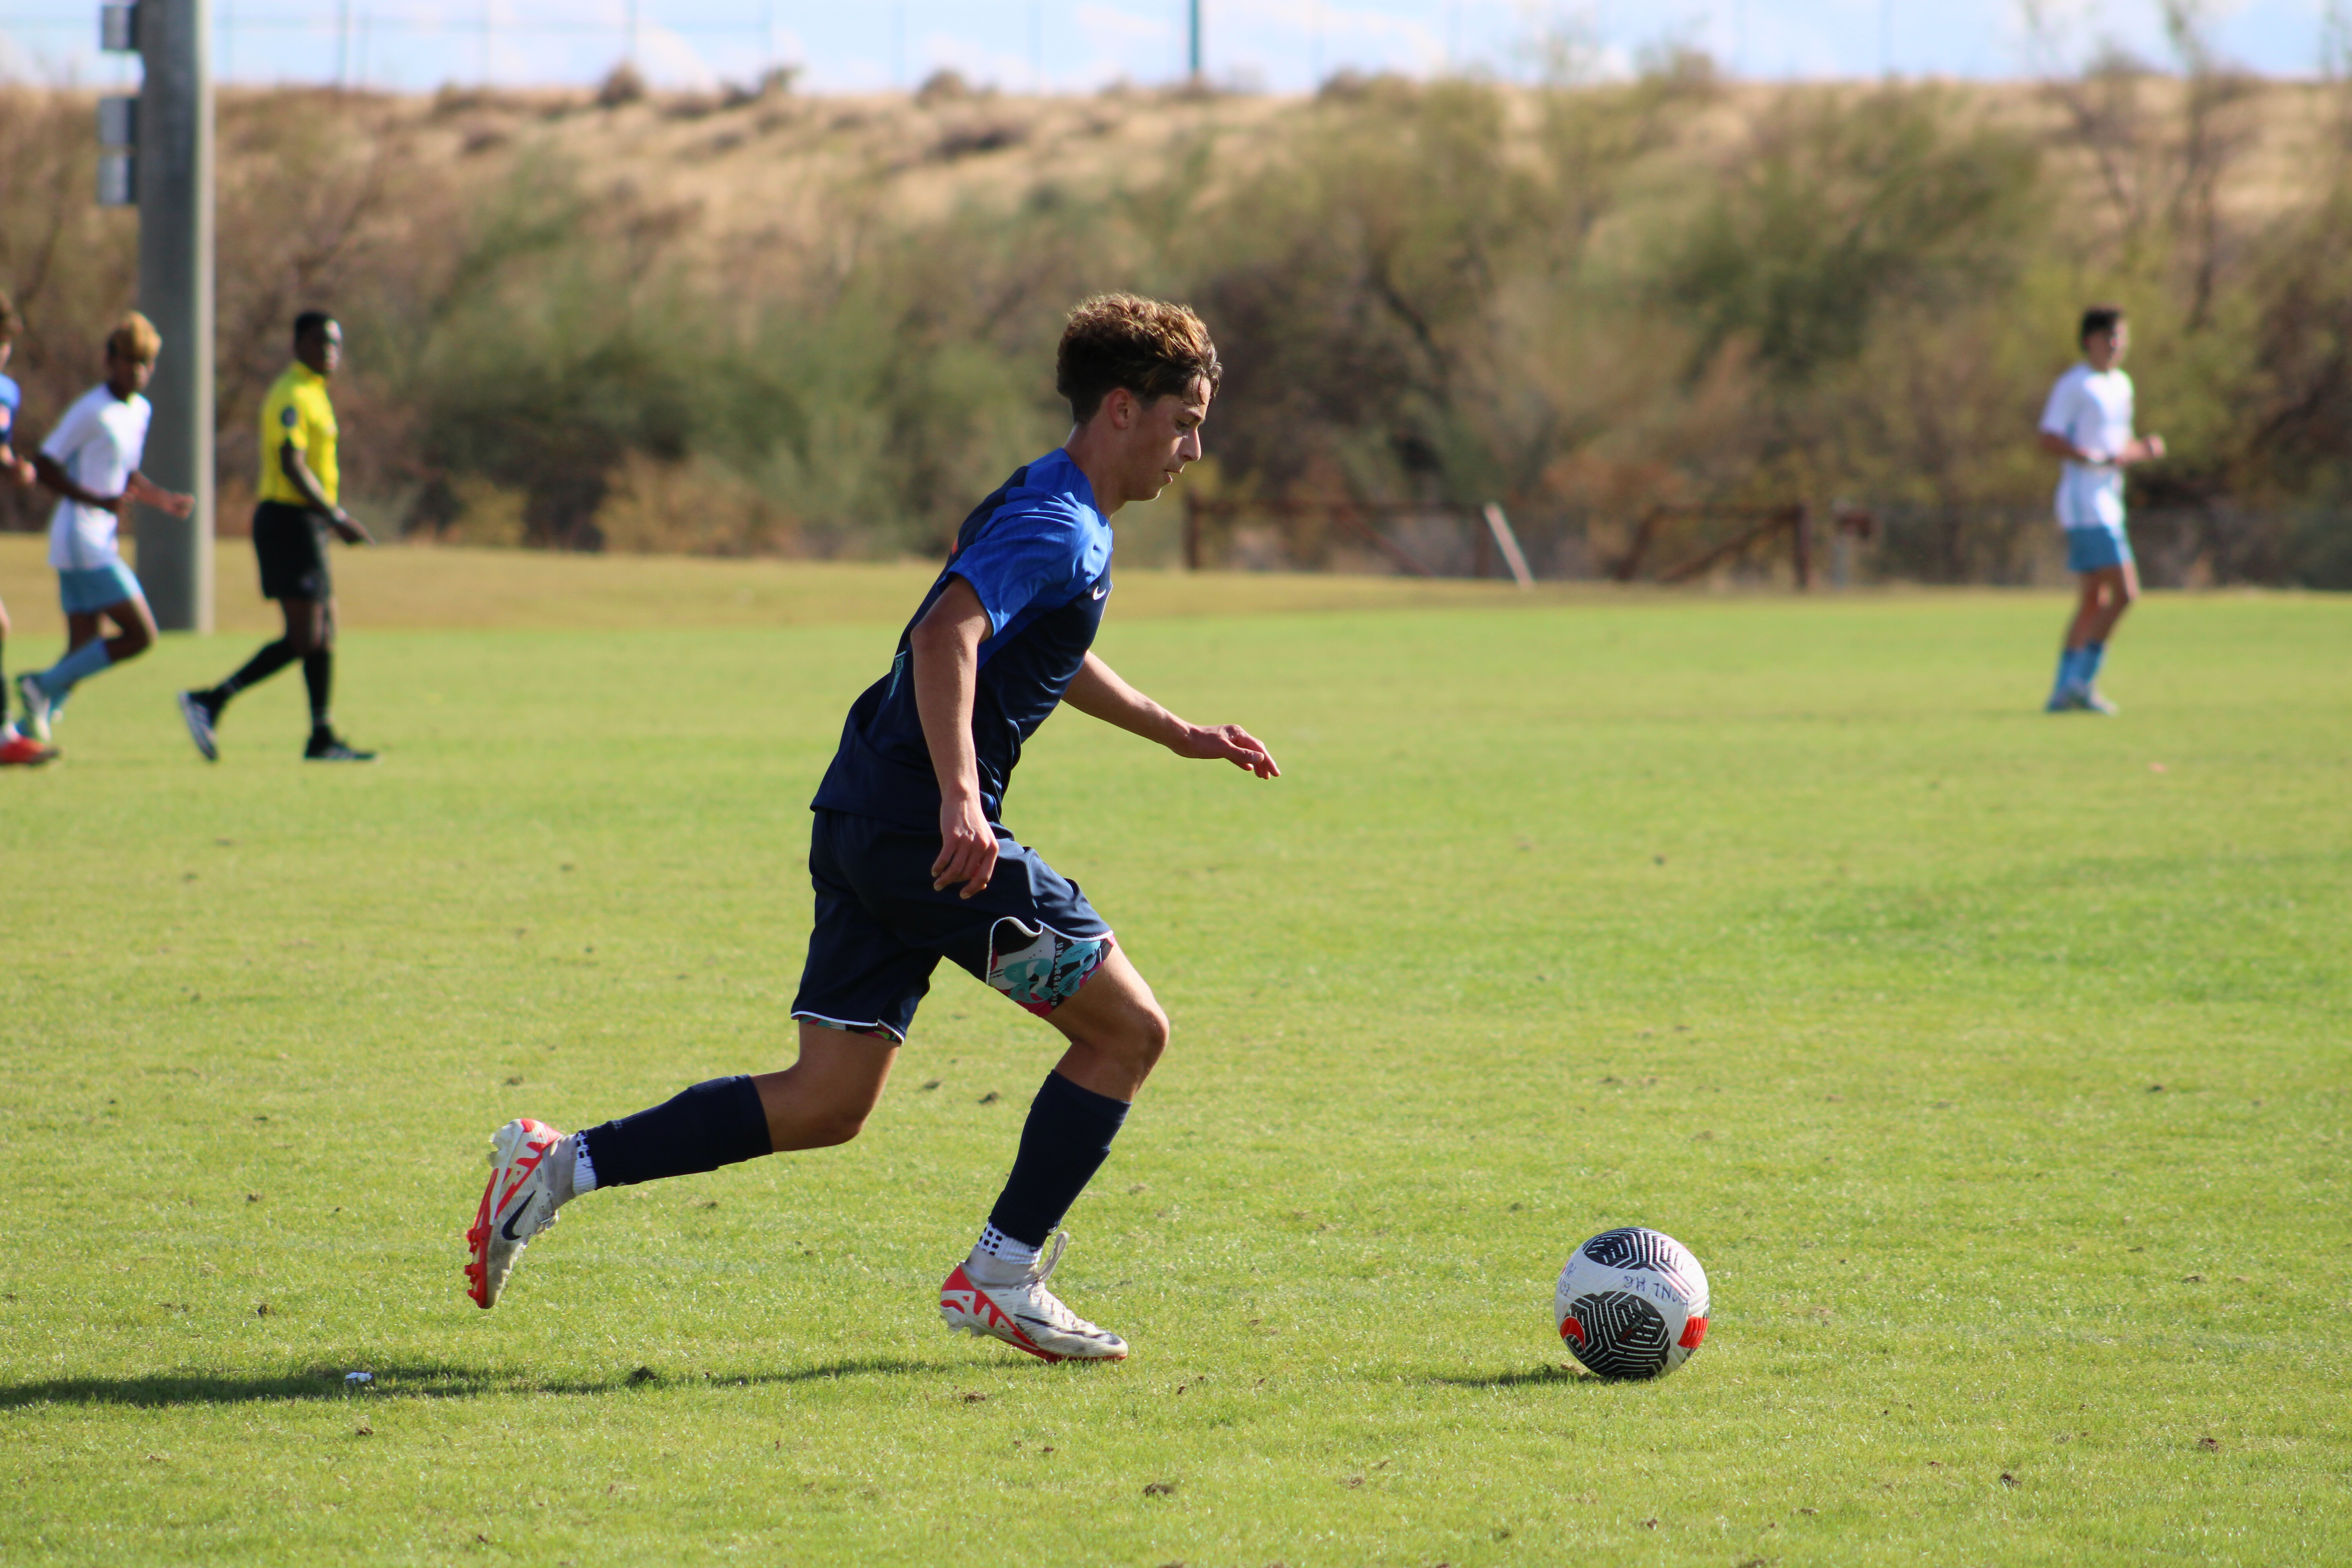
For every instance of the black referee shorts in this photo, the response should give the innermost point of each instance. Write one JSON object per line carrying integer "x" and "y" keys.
{"x": 291, "y": 542}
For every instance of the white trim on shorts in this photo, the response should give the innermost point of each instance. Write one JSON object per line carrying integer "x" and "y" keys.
{"x": 870, "y": 1027}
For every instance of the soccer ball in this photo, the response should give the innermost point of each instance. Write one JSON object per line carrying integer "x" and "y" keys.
{"x": 1632, "y": 1303}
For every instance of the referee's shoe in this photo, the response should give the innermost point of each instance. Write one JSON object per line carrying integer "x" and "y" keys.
{"x": 201, "y": 717}
{"x": 326, "y": 746}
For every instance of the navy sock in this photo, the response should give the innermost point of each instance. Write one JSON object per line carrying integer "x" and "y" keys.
{"x": 713, "y": 1124}
{"x": 1062, "y": 1144}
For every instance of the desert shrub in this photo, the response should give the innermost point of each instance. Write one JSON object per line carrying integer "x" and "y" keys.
{"x": 1836, "y": 211}
{"x": 1584, "y": 302}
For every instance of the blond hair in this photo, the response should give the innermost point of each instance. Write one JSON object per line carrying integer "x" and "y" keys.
{"x": 134, "y": 340}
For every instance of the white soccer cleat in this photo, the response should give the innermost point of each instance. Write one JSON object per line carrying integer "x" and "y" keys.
{"x": 2088, "y": 699}
{"x": 518, "y": 1202}
{"x": 1025, "y": 1314}
{"x": 37, "y": 705}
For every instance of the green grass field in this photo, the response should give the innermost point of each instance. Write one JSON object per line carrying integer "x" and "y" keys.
{"x": 1994, "y": 1065}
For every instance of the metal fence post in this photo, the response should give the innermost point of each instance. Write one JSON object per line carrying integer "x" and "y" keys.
{"x": 175, "y": 290}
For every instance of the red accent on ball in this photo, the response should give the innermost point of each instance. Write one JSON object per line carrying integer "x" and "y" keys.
{"x": 1570, "y": 1329}
{"x": 1693, "y": 1331}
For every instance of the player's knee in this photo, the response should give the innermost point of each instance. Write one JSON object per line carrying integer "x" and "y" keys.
{"x": 1147, "y": 1036}
{"x": 831, "y": 1126}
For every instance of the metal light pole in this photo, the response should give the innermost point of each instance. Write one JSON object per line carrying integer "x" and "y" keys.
{"x": 175, "y": 185}
{"x": 1196, "y": 40}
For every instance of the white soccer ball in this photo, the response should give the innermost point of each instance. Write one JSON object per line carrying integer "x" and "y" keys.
{"x": 1632, "y": 1303}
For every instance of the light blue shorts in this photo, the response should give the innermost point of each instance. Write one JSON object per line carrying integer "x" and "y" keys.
{"x": 95, "y": 588}
{"x": 2096, "y": 549}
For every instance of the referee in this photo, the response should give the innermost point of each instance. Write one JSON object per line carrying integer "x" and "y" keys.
{"x": 298, "y": 476}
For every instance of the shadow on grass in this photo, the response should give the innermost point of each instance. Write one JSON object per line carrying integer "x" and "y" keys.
{"x": 431, "y": 1379}
{"x": 1519, "y": 1379}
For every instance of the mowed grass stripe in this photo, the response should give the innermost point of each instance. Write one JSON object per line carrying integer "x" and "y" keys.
{"x": 1789, "y": 928}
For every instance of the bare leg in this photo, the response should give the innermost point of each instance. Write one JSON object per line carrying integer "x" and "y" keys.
{"x": 824, "y": 1097}
{"x": 2085, "y": 619}
{"x": 2121, "y": 591}
{"x": 134, "y": 629}
{"x": 1115, "y": 1029}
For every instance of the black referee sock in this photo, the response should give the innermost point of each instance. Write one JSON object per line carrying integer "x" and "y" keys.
{"x": 319, "y": 674}
{"x": 266, "y": 662}
{"x": 713, "y": 1124}
{"x": 1062, "y": 1144}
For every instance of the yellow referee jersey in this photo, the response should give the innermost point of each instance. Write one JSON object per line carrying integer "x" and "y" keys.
{"x": 298, "y": 413}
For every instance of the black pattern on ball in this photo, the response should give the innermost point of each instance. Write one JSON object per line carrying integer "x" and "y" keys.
{"x": 1636, "y": 1247}
{"x": 1624, "y": 1336}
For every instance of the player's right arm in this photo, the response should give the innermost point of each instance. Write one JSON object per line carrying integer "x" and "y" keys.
{"x": 946, "y": 647}
{"x": 2058, "y": 422}
{"x": 2142, "y": 450}
{"x": 74, "y": 432}
{"x": 52, "y": 473}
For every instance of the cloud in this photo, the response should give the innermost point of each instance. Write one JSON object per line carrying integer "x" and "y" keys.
{"x": 1108, "y": 23}
{"x": 669, "y": 59}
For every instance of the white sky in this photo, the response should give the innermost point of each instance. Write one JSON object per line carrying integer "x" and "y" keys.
{"x": 1065, "y": 45}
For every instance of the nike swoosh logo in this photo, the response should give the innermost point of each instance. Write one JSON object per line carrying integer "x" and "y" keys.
{"x": 508, "y": 1229}
{"x": 1103, "y": 591}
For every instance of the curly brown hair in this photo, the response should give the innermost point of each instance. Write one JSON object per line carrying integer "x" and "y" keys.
{"x": 1148, "y": 346}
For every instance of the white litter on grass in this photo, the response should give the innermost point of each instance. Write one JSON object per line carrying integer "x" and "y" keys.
{"x": 353, "y": 1379}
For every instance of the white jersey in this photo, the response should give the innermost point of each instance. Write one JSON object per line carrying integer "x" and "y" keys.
{"x": 2093, "y": 409}
{"x": 98, "y": 444}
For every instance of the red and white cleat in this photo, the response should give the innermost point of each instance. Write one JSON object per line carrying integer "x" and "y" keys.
{"x": 24, "y": 752}
{"x": 518, "y": 1202}
{"x": 1022, "y": 1313}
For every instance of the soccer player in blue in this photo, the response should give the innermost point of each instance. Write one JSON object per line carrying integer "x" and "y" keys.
{"x": 2088, "y": 422}
{"x": 913, "y": 863}
{"x": 16, "y": 750}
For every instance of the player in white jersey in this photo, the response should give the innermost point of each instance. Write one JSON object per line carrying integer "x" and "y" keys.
{"x": 91, "y": 460}
{"x": 2088, "y": 422}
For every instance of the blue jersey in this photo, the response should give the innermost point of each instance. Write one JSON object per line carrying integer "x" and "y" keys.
{"x": 1037, "y": 552}
{"x": 11, "y": 400}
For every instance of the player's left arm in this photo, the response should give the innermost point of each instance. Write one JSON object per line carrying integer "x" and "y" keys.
{"x": 297, "y": 469}
{"x": 1100, "y": 693}
{"x": 147, "y": 492}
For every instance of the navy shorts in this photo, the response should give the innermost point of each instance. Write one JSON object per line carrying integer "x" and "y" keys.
{"x": 881, "y": 927}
